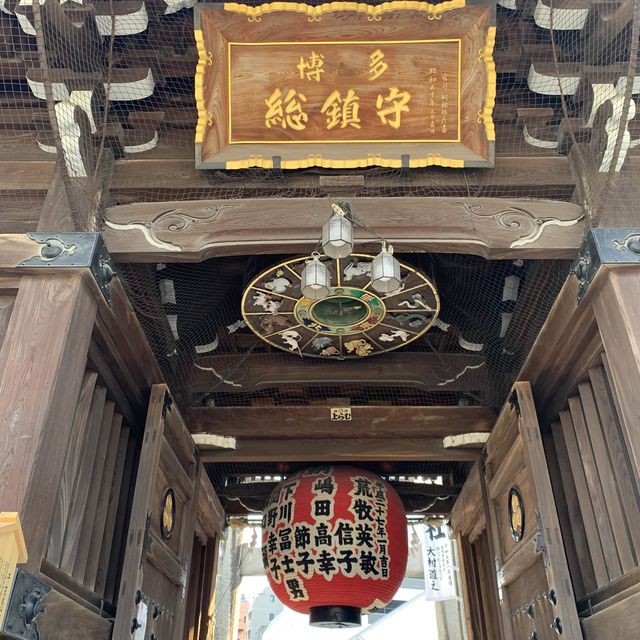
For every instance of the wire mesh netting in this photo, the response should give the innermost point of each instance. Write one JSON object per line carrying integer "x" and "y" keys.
{"x": 90, "y": 80}
{"x": 491, "y": 313}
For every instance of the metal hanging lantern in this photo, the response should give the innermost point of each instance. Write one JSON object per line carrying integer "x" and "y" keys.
{"x": 315, "y": 280}
{"x": 334, "y": 543}
{"x": 337, "y": 234}
{"x": 385, "y": 271}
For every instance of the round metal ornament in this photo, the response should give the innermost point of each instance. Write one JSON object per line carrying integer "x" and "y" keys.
{"x": 352, "y": 321}
{"x": 516, "y": 514}
{"x": 168, "y": 514}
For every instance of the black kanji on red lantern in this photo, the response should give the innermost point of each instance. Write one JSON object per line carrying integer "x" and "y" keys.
{"x": 324, "y": 485}
{"x": 285, "y": 538}
{"x": 322, "y": 537}
{"x": 364, "y": 535}
{"x": 362, "y": 509}
{"x": 344, "y": 533}
{"x": 326, "y": 563}
{"x": 348, "y": 560}
{"x": 302, "y": 536}
{"x": 334, "y": 536}
{"x": 321, "y": 508}
{"x": 306, "y": 562}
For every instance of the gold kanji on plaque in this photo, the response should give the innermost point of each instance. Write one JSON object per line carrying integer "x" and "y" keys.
{"x": 377, "y": 65}
{"x": 397, "y": 101}
{"x": 287, "y": 112}
{"x": 311, "y": 67}
{"x": 342, "y": 111}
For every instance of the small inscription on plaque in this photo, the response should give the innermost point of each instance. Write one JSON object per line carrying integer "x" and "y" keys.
{"x": 341, "y": 413}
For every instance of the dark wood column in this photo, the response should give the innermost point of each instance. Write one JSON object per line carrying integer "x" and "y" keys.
{"x": 618, "y": 315}
{"x": 42, "y": 363}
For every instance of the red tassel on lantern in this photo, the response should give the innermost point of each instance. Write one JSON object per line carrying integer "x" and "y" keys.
{"x": 334, "y": 543}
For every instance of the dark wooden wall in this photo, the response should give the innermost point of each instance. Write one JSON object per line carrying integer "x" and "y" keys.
{"x": 584, "y": 371}
{"x": 75, "y": 375}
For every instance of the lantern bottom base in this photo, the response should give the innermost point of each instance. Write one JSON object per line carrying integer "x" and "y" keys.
{"x": 335, "y": 617}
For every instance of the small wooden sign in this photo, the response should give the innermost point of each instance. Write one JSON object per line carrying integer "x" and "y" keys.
{"x": 345, "y": 85}
{"x": 340, "y": 413}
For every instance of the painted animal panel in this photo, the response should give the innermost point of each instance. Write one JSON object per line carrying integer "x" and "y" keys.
{"x": 359, "y": 347}
{"x": 267, "y": 302}
{"x": 291, "y": 339}
{"x": 273, "y": 323}
{"x": 415, "y": 302}
{"x": 413, "y": 320}
{"x": 390, "y": 336}
{"x": 356, "y": 268}
{"x": 321, "y": 342}
{"x": 279, "y": 284}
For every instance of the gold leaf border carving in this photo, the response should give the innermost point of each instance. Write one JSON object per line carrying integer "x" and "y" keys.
{"x": 433, "y": 11}
{"x": 371, "y": 160}
{"x": 486, "y": 54}
{"x": 203, "y": 59}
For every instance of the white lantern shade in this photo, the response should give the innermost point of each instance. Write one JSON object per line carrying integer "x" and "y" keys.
{"x": 316, "y": 279}
{"x": 385, "y": 272}
{"x": 337, "y": 237}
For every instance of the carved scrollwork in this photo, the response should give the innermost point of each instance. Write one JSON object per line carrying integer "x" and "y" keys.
{"x": 173, "y": 220}
{"x": 516, "y": 218}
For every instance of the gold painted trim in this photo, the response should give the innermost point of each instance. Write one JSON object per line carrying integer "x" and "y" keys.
{"x": 201, "y": 107}
{"x": 371, "y": 160}
{"x": 486, "y": 55}
{"x": 315, "y": 13}
{"x": 325, "y": 141}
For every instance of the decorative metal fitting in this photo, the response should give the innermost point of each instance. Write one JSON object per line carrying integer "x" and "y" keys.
{"x": 605, "y": 246}
{"x": 529, "y": 610}
{"x": 24, "y": 606}
{"x": 74, "y": 250}
{"x": 540, "y": 542}
{"x": 552, "y": 597}
{"x": 556, "y": 625}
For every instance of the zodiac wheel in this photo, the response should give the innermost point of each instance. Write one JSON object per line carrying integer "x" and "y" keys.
{"x": 353, "y": 321}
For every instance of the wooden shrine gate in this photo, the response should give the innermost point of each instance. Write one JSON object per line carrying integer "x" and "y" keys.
{"x": 547, "y": 528}
{"x": 118, "y": 518}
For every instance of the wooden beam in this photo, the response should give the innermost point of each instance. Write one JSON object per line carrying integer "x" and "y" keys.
{"x": 315, "y": 422}
{"x": 325, "y": 450}
{"x": 494, "y": 228}
{"x": 423, "y": 371}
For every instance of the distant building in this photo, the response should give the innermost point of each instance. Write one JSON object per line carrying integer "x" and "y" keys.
{"x": 244, "y": 617}
{"x": 265, "y": 608}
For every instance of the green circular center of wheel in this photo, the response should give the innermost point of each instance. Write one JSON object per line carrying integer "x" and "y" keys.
{"x": 340, "y": 311}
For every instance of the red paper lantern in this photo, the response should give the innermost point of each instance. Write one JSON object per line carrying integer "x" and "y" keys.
{"x": 334, "y": 543}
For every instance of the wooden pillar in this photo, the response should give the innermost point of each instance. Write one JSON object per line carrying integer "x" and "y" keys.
{"x": 618, "y": 316}
{"x": 42, "y": 363}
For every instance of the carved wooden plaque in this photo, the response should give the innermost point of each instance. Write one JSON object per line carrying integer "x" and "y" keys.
{"x": 345, "y": 85}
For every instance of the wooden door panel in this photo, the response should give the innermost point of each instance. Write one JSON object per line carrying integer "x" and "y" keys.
{"x": 157, "y": 557}
{"x": 533, "y": 582}
{"x": 555, "y": 560}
